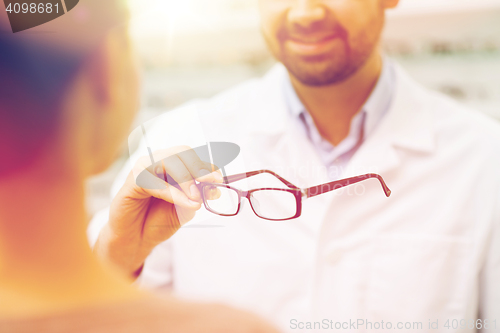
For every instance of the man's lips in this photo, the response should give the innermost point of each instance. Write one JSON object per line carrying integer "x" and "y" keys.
{"x": 312, "y": 39}
{"x": 311, "y": 45}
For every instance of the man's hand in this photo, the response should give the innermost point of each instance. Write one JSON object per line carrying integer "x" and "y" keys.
{"x": 140, "y": 219}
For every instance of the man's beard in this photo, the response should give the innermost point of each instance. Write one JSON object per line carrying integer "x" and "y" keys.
{"x": 328, "y": 69}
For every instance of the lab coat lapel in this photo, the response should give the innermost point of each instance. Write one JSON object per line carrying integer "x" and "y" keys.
{"x": 276, "y": 140}
{"x": 407, "y": 125}
{"x": 278, "y": 143}
{"x": 307, "y": 170}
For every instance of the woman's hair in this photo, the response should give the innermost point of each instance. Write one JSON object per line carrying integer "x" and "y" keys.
{"x": 36, "y": 67}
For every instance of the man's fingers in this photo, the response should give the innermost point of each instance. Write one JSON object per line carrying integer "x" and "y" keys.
{"x": 156, "y": 187}
{"x": 175, "y": 196}
{"x": 179, "y": 165}
{"x": 195, "y": 165}
{"x": 179, "y": 172}
{"x": 215, "y": 176}
{"x": 212, "y": 192}
{"x": 200, "y": 170}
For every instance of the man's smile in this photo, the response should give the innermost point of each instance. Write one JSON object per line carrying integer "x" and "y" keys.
{"x": 312, "y": 45}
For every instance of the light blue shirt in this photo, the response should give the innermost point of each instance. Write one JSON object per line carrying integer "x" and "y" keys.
{"x": 335, "y": 158}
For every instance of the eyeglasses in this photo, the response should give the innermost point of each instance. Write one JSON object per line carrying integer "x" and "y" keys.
{"x": 275, "y": 204}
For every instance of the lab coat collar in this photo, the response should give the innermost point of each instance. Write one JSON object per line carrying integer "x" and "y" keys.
{"x": 409, "y": 123}
{"x": 272, "y": 130}
{"x": 381, "y": 97}
{"x": 268, "y": 108}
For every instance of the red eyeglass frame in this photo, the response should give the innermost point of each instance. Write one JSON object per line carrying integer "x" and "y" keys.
{"x": 299, "y": 193}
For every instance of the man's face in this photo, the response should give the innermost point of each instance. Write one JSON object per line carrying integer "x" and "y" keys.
{"x": 322, "y": 42}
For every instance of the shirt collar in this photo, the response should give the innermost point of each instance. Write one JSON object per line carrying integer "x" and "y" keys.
{"x": 293, "y": 102}
{"x": 375, "y": 107}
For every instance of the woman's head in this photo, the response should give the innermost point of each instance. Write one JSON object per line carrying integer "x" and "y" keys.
{"x": 68, "y": 89}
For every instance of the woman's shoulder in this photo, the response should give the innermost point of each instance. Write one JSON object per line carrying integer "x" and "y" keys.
{"x": 140, "y": 315}
{"x": 151, "y": 314}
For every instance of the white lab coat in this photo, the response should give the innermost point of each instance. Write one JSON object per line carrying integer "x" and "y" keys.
{"x": 429, "y": 252}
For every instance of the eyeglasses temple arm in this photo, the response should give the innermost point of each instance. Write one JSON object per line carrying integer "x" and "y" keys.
{"x": 234, "y": 178}
{"x": 324, "y": 188}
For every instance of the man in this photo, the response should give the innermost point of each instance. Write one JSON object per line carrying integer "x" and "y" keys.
{"x": 355, "y": 260}
{"x": 65, "y": 108}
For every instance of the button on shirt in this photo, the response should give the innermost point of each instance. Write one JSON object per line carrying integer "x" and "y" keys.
{"x": 335, "y": 158}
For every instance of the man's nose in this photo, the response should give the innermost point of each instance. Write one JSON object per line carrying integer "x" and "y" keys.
{"x": 306, "y": 12}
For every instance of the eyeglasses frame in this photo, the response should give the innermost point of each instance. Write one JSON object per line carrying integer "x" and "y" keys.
{"x": 247, "y": 194}
{"x": 300, "y": 194}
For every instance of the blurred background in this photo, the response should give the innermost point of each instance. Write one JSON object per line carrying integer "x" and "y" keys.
{"x": 197, "y": 48}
